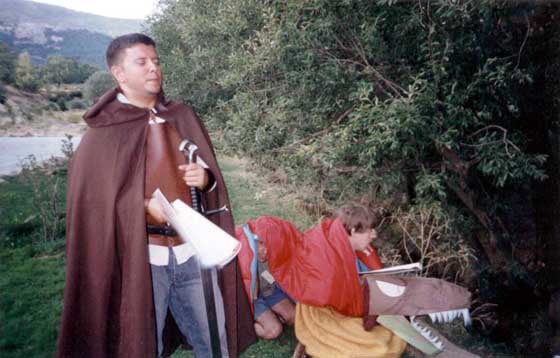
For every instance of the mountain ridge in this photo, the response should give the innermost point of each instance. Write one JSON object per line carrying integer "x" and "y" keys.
{"x": 14, "y": 12}
{"x": 43, "y": 30}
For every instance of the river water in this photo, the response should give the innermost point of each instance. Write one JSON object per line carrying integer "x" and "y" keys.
{"x": 13, "y": 150}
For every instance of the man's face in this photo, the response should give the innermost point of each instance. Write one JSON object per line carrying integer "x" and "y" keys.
{"x": 139, "y": 72}
{"x": 361, "y": 240}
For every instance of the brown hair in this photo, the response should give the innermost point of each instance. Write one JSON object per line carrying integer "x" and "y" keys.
{"x": 358, "y": 217}
{"x": 121, "y": 43}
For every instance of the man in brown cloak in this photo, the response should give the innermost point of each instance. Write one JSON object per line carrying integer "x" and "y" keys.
{"x": 109, "y": 308}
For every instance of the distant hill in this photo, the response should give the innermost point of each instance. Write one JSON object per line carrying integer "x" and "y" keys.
{"x": 44, "y": 30}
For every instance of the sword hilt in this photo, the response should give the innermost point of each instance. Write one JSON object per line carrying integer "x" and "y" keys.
{"x": 189, "y": 149}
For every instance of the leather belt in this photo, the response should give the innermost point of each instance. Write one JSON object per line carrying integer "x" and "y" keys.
{"x": 161, "y": 230}
{"x": 167, "y": 241}
{"x": 163, "y": 236}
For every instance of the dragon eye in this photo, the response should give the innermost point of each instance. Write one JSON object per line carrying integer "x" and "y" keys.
{"x": 390, "y": 289}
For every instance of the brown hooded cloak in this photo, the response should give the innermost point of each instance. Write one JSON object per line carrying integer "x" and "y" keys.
{"x": 108, "y": 306}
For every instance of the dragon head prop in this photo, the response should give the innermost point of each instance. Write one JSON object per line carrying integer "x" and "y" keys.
{"x": 386, "y": 295}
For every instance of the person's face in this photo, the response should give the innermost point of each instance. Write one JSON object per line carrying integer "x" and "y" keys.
{"x": 361, "y": 240}
{"x": 139, "y": 72}
{"x": 261, "y": 252}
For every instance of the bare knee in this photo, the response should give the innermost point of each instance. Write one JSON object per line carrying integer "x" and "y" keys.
{"x": 270, "y": 331}
{"x": 268, "y": 326}
{"x": 285, "y": 309}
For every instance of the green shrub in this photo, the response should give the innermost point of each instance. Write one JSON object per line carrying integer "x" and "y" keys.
{"x": 76, "y": 103}
{"x": 52, "y": 106}
{"x": 26, "y": 76}
{"x": 97, "y": 84}
{"x": 7, "y": 64}
{"x": 2, "y": 94}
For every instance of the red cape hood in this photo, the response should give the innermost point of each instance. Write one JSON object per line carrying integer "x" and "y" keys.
{"x": 317, "y": 267}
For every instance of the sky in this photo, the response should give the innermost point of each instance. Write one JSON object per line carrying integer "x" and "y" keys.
{"x": 124, "y": 9}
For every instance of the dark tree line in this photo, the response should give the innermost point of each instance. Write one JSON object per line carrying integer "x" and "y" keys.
{"x": 18, "y": 69}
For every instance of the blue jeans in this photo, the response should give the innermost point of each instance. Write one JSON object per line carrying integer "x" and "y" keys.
{"x": 265, "y": 303}
{"x": 179, "y": 288}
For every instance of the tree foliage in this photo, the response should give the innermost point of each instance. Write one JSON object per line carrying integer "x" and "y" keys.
{"x": 59, "y": 70}
{"x": 7, "y": 64}
{"x": 416, "y": 97}
{"x": 422, "y": 104}
{"x": 97, "y": 84}
{"x": 27, "y": 76}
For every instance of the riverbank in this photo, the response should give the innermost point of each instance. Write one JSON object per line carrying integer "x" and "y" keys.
{"x": 14, "y": 151}
{"x": 48, "y": 124}
{"x": 48, "y": 113}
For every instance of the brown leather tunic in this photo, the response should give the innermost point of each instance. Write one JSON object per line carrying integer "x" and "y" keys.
{"x": 162, "y": 159}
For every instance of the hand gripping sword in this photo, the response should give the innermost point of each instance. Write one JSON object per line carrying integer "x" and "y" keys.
{"x": 189, "y": 150}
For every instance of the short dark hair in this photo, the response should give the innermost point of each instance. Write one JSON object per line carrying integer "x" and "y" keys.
{"x": 358, "y": 217}
{"x": 121, "y": 43}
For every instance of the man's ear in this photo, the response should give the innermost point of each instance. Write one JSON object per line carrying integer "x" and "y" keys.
{"x": 118, "y": 74}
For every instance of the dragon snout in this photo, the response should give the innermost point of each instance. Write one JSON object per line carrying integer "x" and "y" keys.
{"x": 415, "y": 296}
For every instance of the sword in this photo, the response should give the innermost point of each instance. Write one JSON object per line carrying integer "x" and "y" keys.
{"x": 189, "y": 150}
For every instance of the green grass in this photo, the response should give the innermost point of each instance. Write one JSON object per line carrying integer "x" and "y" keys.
{"x": 251, "y": 195}
{"x": 32, "y": 275}
{"x": 30, "y": 302}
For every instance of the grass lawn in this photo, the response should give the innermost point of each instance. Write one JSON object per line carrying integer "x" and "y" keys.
{"x": 32, "y": 276}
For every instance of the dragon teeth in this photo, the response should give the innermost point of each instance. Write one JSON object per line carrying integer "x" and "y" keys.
{"x": 427, "y": 333}
{"x": 430, "y": 336}
{"x": 466, "y": 317}
{"x": 449, "y": 316}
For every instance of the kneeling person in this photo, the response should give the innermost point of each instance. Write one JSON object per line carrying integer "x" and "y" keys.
{"x": 272, "y": 307}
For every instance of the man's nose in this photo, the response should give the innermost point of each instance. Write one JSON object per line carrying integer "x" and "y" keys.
{"x": 152, "y": 66}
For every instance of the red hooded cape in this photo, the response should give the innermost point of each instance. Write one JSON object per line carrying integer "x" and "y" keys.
{"x": 317, "y": 267}
{"x": 108, "y": 306}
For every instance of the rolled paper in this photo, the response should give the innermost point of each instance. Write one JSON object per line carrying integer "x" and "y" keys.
{"x": 213, "y": 246}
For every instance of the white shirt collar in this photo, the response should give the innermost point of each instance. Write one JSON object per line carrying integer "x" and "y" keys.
{"x": 122, "y": 98}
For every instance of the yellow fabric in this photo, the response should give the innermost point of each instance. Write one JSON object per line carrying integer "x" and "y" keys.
{"x": 326, "y": 333}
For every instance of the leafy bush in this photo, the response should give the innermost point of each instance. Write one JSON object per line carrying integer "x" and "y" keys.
{"x": 53, "y": 106}
{"x": 76, "y": 103}
{"x": 7, "y": 64}
{"x": 2, "y": 94}
{"x": 27, "y": 76}
{"x": 59, "y": 70}
{"x": 396, "y": 99}
{"x": 97, "y": 84}
{"x": 416, "y": 104}
{"x": 47, "y": 192}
